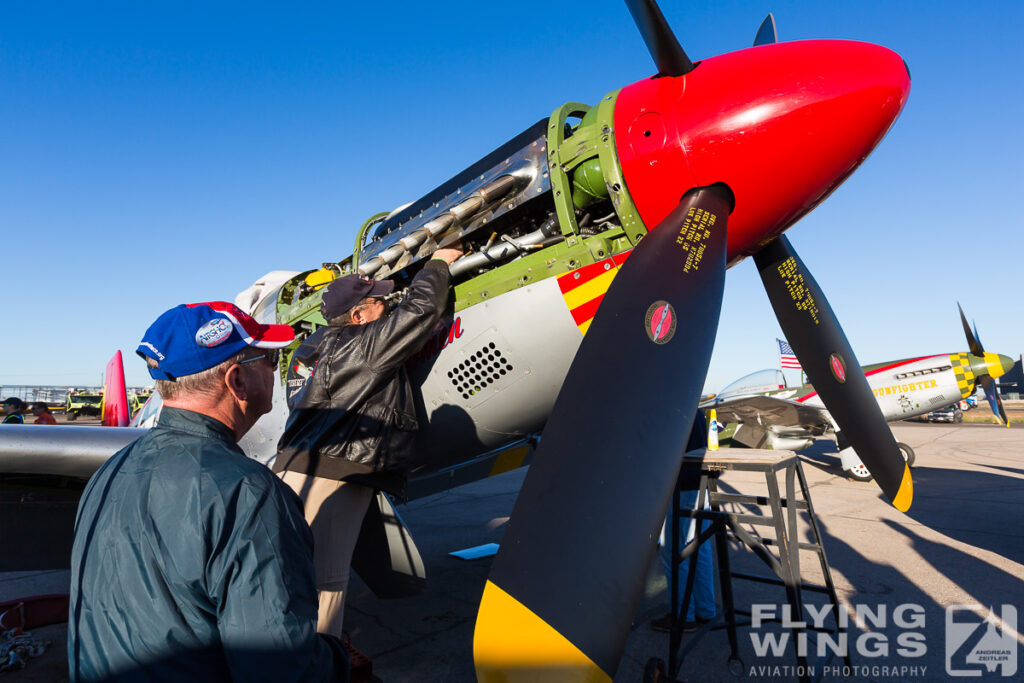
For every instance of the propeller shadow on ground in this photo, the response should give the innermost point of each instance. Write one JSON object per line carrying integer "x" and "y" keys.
{"x": 979, "y": 509}
{"x": 927, "y": 574}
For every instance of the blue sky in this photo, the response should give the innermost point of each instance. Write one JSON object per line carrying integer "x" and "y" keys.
{"x": 155, "y": 155}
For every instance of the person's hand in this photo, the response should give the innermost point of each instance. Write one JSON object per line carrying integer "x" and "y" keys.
{"x": 449, "y": 254}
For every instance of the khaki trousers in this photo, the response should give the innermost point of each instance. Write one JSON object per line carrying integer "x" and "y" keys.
{"x": 334, "y": 511}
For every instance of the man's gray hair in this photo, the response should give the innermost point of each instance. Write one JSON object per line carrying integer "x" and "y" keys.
{"x": 208, "y": 382}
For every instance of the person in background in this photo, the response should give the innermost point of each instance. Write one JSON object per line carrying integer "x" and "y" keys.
{"x": 13, "y": 409}
{"x": 191, "y": 561}
{"x": 702, "y": 607}
{"x": 352, "y": 420}
{"x": 43, "y": 414}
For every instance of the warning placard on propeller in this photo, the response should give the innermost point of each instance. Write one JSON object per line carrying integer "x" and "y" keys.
{"x": 693, "y": 236}
{"x": 801, "y": 294}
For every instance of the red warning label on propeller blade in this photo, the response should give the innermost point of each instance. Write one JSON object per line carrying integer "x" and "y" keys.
{"x": 660, "y": 322}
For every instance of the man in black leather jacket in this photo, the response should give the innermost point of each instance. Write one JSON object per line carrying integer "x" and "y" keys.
{"x": 353, "y": 420}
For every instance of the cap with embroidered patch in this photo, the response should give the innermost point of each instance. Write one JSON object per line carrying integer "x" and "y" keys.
{"x": 191, "y": 338}
{"x": 346, "y": 292}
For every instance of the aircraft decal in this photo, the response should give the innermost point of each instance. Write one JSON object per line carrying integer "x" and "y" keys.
{"x": 438, "y": 342}
{"x": 838, "y": 367}
{"x": 964, "y": 375}
{"x": 660, "y": 322}
{"x": 584, "y": 288}
{"x": 875, "y": 371}
{"x": 905, "y": 388}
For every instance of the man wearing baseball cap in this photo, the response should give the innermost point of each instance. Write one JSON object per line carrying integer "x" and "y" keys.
{"x": 192, "y": 562}
{"x": 353, "y": 419}
{"x": 13, "y": 409}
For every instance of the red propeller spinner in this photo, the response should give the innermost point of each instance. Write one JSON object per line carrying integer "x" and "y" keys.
{"x": 781, "y": 124}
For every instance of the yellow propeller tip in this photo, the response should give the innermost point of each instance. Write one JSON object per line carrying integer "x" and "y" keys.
{"x": 511, "y": 644}
{"x": 905, "y": 495}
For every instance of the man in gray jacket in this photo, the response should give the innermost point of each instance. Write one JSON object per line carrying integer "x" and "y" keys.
{"x": 353, "y": 420}
{"x": 192, "y": 562}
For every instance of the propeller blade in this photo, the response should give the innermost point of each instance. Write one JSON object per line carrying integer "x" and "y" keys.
{"x": 972, "y": 342}
{"x": 994, "y": 401}
{"x": 821, "y": 346}
{"x": 565, "y": 583}
{"x": 666, "y": 51}
{"x": 766, "y": 35}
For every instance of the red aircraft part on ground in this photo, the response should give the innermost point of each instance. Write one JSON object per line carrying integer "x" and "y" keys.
{"x": 115, "y": 396}
{"x": 782, "y": 125}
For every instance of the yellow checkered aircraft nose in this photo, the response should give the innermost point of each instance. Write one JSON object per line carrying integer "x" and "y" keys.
{"x": 963, "y": 368}
{"x": 997, "y": 364}
{"x": 969, "y": 367}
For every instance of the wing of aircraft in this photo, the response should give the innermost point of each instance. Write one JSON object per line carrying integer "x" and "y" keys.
{"x": 594, "y": 237}
{"x": 770, "y": 421}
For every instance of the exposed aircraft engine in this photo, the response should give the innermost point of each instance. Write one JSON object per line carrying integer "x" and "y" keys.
{"x": 550, "y": 184}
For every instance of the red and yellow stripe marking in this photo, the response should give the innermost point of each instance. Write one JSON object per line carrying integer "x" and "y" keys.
{"x": 512, "y": 644}
{"x": 584, "y": 288}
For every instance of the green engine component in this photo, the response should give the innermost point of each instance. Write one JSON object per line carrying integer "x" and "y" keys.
{"x": 588, "y": 183}
{"x": 584, "y": 166}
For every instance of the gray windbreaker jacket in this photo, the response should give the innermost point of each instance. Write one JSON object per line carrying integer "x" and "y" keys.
{"x": 192, "y": 562}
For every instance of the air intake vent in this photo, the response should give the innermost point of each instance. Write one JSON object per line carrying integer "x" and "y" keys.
{"x": 918, "y": 373}
{"x": 480, "y": 370}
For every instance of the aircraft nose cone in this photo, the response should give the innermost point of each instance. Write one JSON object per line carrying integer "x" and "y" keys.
{"x": 997, "y": 364}
{"x": 782, "y": 125}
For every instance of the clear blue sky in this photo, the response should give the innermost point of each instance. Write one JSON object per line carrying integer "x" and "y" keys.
{"x": 152, "y": 155}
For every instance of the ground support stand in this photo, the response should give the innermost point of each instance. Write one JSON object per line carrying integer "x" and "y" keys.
{"x": 779, "y": 515}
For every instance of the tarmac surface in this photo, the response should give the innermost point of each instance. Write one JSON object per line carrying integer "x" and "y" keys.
{"x": 962, "y": 543}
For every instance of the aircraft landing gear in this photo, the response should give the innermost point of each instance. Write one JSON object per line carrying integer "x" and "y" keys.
{"x": 859, "y": 473}
{"x": 908, "y": 453}
{"x": 851, "y": 464}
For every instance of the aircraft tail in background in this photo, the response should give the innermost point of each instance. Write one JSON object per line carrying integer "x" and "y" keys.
{"x": 115, "y": 394}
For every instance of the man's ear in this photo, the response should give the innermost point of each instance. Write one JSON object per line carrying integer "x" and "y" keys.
{"x": 234, "y": 379}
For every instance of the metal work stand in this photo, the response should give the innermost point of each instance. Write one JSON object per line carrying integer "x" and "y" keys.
{"x": 780, "y": 552}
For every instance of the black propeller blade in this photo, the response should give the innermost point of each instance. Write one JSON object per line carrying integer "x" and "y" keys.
{"x": 972, "y": 341}
{"x": 994, "y": 401}
{"x": 668, "y": 54}
{"x": 818, "y": 341}
{"x": 565, "y": 583}
{"x": 766, "y": 35}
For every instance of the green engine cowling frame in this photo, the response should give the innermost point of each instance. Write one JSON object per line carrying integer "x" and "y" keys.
{"x": 592, "y": 139}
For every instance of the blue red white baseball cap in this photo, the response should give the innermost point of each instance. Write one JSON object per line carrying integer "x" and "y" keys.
{"x": 191, "y": 338}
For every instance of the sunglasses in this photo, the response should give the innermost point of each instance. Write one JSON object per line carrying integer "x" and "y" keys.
{"x": 272, "y": 356}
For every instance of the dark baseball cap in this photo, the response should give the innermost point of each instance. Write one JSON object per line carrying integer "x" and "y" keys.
{"x": 13, "y": 401}
{"x": 346, "y": 292}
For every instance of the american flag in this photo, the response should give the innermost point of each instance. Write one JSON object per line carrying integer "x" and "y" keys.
{"x": 786, "y": 356}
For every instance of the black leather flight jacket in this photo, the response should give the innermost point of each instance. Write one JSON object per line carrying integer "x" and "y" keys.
{"x": 352, "y": 412}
